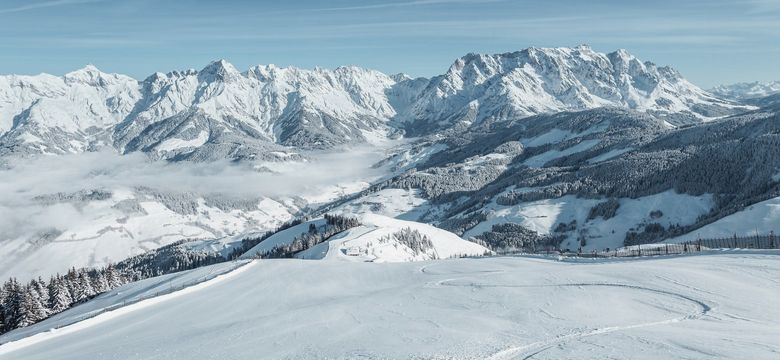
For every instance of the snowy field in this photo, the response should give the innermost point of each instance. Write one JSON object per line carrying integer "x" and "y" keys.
{"x": 694, "y": 307}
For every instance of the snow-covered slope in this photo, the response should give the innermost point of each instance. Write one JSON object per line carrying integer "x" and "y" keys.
{"x": 758, "y": 218}
{"x": 132, "y": 293}
{"x": 384, "y": 239}
{"x": 694, "y": 307}
{"x": 749, "y": 90}
{"x": 281, "y": 238}
{"x": 543, "y": 216}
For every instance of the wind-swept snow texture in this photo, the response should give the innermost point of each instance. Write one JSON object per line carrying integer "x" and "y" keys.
{"x": 696, "y": 307}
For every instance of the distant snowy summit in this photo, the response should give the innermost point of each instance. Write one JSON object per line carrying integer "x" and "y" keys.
{"x": 747, "y": 90}
{"x": 220, "y": 112}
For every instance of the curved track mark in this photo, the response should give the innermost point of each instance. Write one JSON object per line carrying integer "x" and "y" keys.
{"x": 530, "y": 350}
{"x": 540, "y": 346}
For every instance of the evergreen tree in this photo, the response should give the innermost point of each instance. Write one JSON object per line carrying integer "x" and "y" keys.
{"x": 59, "y": 296}
{"x": 41, "y": 293}
{"x": 113, "y": 277}
{"x": 71, "y": 280}
{"x": 2, "y": 308}
{"x": 30, "y": 308}
{"x": 99, "y": 281}
{"x": 12, "y": 304}
{"x": 82, "y": 289}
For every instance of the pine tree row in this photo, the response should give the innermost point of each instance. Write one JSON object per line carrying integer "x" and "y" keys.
{"x": 25, "y": 304}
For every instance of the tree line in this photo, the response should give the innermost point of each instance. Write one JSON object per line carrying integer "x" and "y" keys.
{"x": 23, "y": 304}
{"x": 334, "y": 224}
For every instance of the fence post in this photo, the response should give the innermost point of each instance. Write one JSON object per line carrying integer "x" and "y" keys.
{"x": 640, "y": 249}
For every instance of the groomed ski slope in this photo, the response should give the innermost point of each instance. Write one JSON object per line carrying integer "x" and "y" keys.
{"x": 107, "y": 304}
{"x": 694, "y": 307}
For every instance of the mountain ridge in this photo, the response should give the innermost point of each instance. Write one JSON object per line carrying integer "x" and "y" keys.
{"x": 746, "y": 91}
{"x": 219, "y": 110}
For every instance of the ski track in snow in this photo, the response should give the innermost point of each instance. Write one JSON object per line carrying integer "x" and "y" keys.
{"x": 528, "y": 351}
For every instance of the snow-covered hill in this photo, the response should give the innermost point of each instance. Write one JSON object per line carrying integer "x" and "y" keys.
{"x": 759, "y": 218}
{"x": 691, "y": 307}
{"x": 378, "y": 239}
{"x": 384, "y": 239}
{"x": 219, "y": 112}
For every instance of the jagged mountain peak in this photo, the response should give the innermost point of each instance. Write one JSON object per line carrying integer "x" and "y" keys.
{"x": 218, "y": 70}
{"x": 399, "y": 77}
{"x": 87, "y": 69}
{"x": 92, "y": 76}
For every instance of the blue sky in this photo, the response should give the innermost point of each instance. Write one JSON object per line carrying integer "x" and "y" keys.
{"x": 710, "y": 42}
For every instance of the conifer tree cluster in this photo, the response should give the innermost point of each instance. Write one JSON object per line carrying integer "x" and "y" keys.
{"x": 510, "y": 236}
{"x": 25, "y": 304}
{"x": 334, "y": 224}
{"x": 412, "y": 238}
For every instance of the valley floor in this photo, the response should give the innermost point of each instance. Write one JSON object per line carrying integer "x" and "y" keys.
{"x": 691, "y": 307}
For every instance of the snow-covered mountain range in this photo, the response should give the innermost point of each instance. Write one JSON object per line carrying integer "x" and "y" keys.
{"x": 220, "y": 112}
{"x": 747, "y": 90}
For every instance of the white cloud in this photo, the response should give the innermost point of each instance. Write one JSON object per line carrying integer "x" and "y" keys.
{"x": 406, "y": 4}
{"x": 44, "y": 4}
{"x": 21, "y": 216}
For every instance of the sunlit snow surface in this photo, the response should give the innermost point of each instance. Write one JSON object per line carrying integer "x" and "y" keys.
{"x": 695, "y": 307}
{"x": 544, "y": 215}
